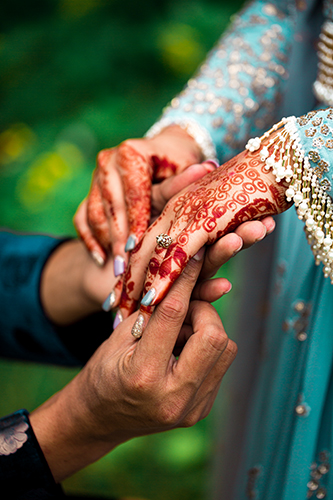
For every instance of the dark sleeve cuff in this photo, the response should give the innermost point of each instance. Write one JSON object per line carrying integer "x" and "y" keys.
{"x": 24, "y": 472}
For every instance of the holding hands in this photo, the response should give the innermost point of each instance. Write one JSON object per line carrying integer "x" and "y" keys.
{"x": 131, "y": 388}
{"x": 239, "y": 191}
{"x": 125, "y": 191}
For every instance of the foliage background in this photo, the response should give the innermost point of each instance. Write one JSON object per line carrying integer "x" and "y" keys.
{"x": 78, "y": 76}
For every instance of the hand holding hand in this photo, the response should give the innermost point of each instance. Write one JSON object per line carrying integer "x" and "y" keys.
{"x": 130, "y": 388}
{"x": 200, "y": 215}
{"x": 118, "y": 208}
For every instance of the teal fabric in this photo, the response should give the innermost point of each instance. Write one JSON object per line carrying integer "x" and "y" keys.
{"x": 286, "y": 425}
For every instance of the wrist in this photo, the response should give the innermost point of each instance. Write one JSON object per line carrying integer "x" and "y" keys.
{"x": 63, "y": 291}
{"x": 184, "y": 142}
{"x": 68, "y": 433}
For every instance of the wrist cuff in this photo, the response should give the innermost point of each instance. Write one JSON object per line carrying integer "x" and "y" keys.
{"x": 24, "y": 472}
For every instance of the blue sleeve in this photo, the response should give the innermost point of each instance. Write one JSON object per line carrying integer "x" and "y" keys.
{"x": 238, "y": 90}
{"x": 25, "y": 331}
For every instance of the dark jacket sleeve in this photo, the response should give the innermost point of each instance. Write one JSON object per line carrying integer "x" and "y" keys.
{"x": 25, "y": 331}
{"x": 24, "y": 472}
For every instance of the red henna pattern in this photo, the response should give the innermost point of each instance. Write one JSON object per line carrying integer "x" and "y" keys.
{"x": 163, "y": 168}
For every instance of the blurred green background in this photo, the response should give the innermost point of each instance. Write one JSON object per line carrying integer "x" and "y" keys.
{"x": 78, "y": 76}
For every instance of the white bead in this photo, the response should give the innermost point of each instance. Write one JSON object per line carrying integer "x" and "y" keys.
{"x": 319, "y": 234}
{"x": 298, "y": 197}
{"x": 327, "y": 241}
{"x": 290, "y": 192}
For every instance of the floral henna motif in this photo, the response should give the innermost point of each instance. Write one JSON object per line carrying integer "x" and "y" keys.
{"x": 137, "y": 179}
{"x": 163, "y": 168}
{"x": 214, "y": 206}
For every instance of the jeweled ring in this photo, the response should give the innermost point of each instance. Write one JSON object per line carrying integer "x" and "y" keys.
{"x": 164, "y": 240}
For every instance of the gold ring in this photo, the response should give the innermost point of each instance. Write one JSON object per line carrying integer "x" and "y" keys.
{"x": 164, "y": 240}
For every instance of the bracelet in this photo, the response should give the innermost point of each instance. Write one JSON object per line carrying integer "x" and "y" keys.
{"x": 196, "y": 131}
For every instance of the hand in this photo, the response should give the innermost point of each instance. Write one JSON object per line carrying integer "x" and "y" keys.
{"x": 130, "y": 388}
{"x": 118, "y": 208}
{"x": 200, "y": 215}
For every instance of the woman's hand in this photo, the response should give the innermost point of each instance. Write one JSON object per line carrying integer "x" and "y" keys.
{"x": 118, "y": 209}
{"x": 200, "y": 215}
{"x": 130, "y": 388}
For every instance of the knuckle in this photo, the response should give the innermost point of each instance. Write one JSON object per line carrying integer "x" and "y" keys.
{"x": 172, "y": 310}
{"x": 170, "y": 413}
{"x": 231, "y": 349}
{"x": 103, "y": 157}
{"x": 143, "y": 382}
{"x": 217, "y": 340}
{"x": 191, "y": 420}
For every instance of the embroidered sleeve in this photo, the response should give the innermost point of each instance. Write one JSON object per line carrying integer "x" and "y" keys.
{"x": 24, "y": 472}
{"x": 300, "y": 151}
{"x": 237, "y": 90}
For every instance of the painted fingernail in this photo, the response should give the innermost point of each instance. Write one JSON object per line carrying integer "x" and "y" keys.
{"x": 138, "y": 327}
{"x": 118, "y": 265}
{"x": 199, "y": 255}
{"x": 109, "y": 302}
{"x": 214, "y": 163}
{"x": 131, "y": 242}
{"x": 97, "y": 258}
{"x": 118, "y": 319}
{"x": 149, "y": 297}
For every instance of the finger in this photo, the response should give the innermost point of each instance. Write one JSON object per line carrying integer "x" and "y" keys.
{"x": 207, "y": 392}
{"x": 205, "y": 346}
{"x": 96, "y": 217}
{"x": 163, "y": 192}
{"x": 219, "y": 253}
{"x": 211, "y": 290}
{"x": 136, "y": 174}
{"x": 95, "y": 249}
{"x": 157, "y": 344}
{"x": 114, "y": 202}
{"x": 251, "y": 232}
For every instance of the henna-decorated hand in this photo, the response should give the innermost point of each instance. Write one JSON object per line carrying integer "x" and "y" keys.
{"x": 117, "y": 210}
{"x": 239, "y": 191}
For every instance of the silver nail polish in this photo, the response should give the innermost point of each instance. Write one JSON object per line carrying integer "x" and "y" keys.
{"x": 109, "y": 301}
{"x": 131, "y": 242}
{"x": 118, "y": 265}
{"x": 149, "y": 297}
{"x": 118, "y": 319}
{"x": 97, "y": 258}
{"x": 138, "y": 327}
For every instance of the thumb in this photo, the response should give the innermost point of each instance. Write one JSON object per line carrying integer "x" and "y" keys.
{"x": 163, "y": 192}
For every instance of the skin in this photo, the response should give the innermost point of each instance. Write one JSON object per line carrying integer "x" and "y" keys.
{"x": 200, "y": 215}
{"x": 121, "y": 198}
{"x": 130, "y": 388}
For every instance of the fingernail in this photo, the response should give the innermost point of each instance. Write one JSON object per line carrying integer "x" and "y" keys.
{"x": 227, "y": 291}
{"x": 131, "y": 242}
{"x": 118, "y": 265}
{"x": 118, "y": 319}
{"x": 239, "y": 248}
{"x": 138, "y": 327}
{"x": 214, "y": 163}
{"x": 149, "y": 297}
{"x": 261, "y": 237}
{"x": 97, "y": 258}
{"x": 109, "y": 301}
{"x": 199, "y": 255}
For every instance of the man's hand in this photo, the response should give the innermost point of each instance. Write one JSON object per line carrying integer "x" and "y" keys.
{"x": 134, "y": 387}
